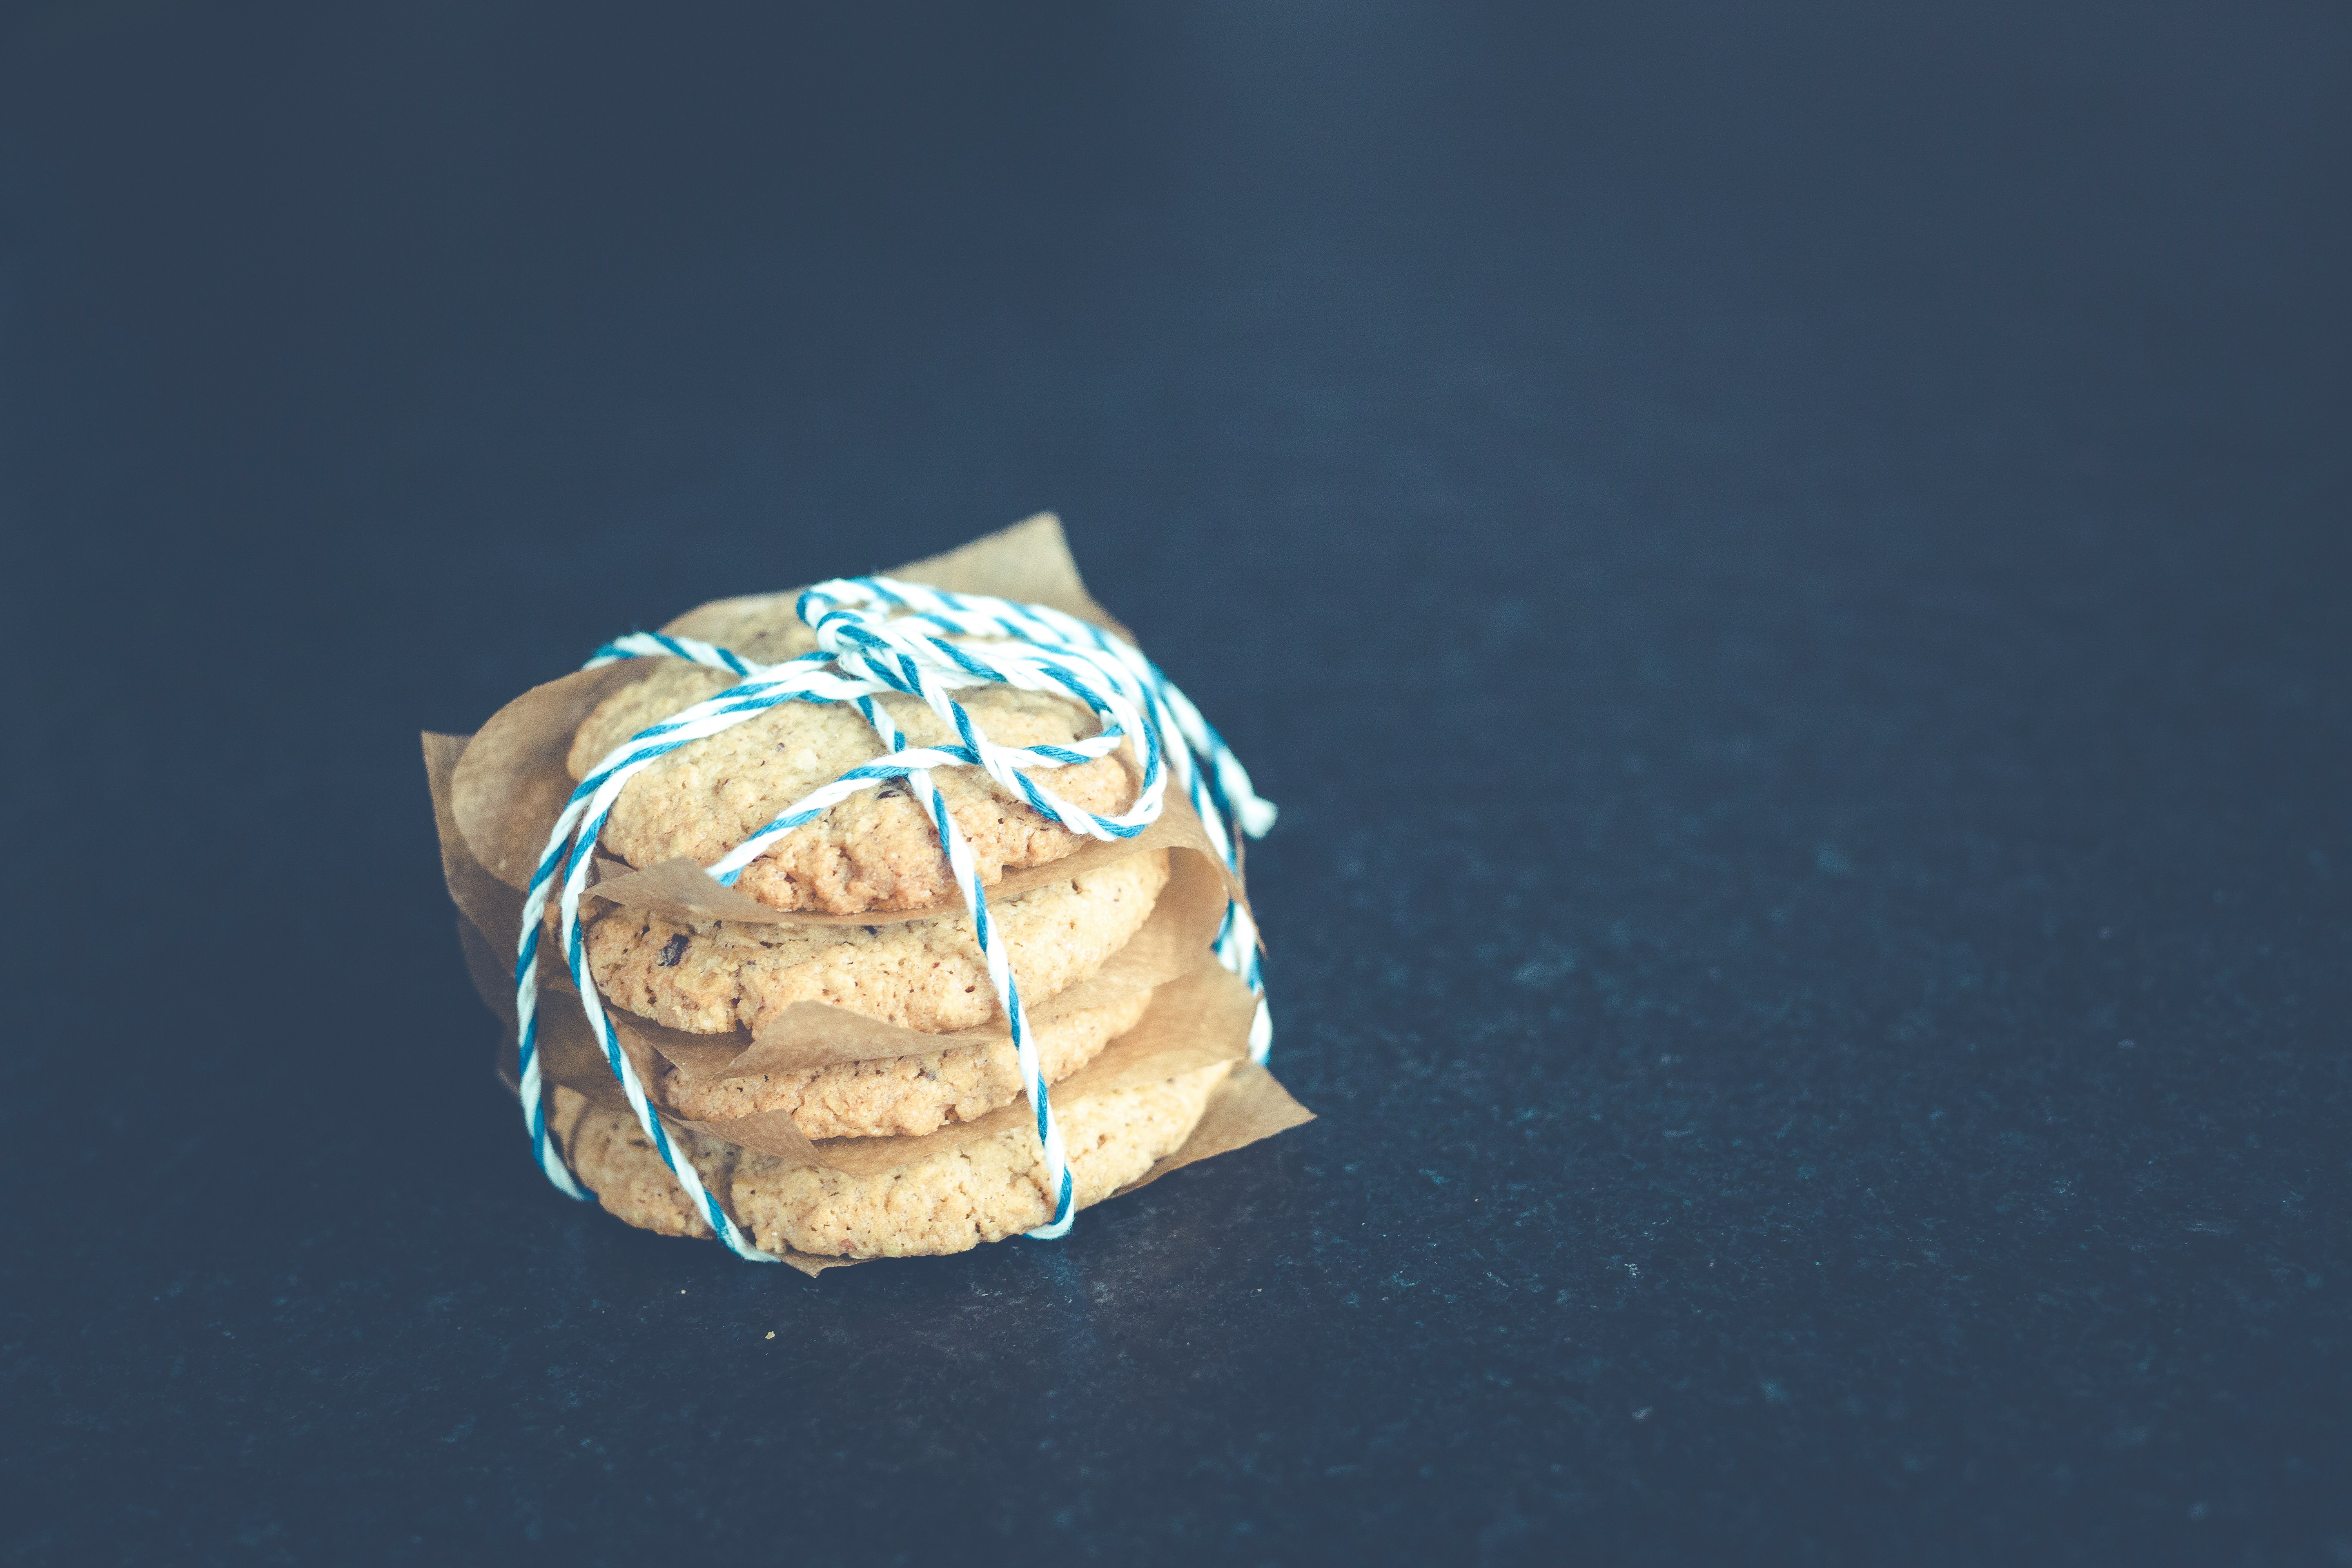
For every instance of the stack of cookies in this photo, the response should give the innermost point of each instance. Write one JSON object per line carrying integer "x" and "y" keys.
{"x": 823, "y": 1041}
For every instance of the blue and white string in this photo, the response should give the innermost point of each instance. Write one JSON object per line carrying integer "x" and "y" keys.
{"x": 874, "y": 634}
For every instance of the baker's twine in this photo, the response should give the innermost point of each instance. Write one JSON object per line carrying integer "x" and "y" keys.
{"x": 874, "y": 634}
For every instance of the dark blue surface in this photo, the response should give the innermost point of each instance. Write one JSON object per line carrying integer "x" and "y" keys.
{"x": 1786, "y": 572}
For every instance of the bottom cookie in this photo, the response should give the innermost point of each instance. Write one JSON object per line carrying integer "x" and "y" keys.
{"x": 980, "y": 1183}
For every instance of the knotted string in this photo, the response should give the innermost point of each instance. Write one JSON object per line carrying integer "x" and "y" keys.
{"x": 874, "y": 634}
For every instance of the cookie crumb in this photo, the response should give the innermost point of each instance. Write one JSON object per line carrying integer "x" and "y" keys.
{"x": 771, "y": 1333}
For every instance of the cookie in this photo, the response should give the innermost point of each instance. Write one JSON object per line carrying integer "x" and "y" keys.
{"x": 710, "y": 976}
{"x": 907, "y": 1096}
{"x": 983, "y": 1187}
{"x": 878, "y": 850}
{"x": 614, "y": 1159}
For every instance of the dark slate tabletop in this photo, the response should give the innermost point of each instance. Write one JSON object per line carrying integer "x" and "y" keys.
{"x": 1786, "y": 569}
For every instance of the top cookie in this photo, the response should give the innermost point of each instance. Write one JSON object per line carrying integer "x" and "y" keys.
{"x": 876, "y": 851}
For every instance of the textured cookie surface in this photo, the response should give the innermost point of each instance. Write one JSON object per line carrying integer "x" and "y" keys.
{"x": 878, "y": 850}
{"x": 709, "y": 976}
{"x": 614, "y": 1159}
{"x": 975, "y": 1189}
{"x": 980, "y": 1189}
{"x": 908, "y": 1096}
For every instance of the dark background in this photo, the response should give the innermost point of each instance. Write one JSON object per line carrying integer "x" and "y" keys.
{"x": 1787, "y": 569}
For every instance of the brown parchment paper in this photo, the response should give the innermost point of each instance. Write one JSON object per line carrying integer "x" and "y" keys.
{"x": 496, "y": 797}
{"x": 479, "y": 895}
{"x": 482, "y": 898}
{"x": 1248, "y": 1106}
{"x": 511, "y": 785}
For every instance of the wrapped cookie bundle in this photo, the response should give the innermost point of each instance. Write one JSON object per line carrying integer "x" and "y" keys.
{"x": 882, "y": 919}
